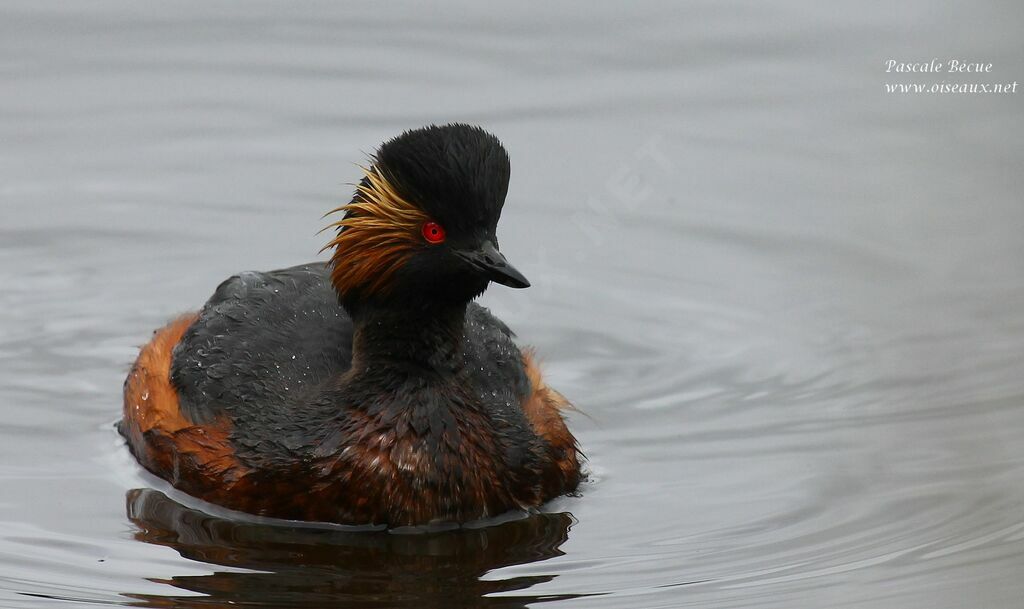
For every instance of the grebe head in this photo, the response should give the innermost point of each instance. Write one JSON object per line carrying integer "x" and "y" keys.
{"x": 421, "y": 225}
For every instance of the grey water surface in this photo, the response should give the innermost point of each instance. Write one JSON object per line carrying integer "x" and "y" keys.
{"x": 790, "y": 303}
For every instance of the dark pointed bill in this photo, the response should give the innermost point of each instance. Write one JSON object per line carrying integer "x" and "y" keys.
{"x": 493, "y": 265}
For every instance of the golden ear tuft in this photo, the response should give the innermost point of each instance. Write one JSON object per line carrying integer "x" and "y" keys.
{"x": 376, "y": 236}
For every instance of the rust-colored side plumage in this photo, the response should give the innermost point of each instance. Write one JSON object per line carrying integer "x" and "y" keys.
{"x": 161, "y": 436}
{"x": 543, "y": 408}
{"x": 150, "y": 402}
{"x": 376, "y": 236}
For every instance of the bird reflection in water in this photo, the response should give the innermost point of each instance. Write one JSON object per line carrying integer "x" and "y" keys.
{"x": 301, "y": 566}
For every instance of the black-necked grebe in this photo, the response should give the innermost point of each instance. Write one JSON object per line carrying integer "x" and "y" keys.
{"x": 368, "y": 389}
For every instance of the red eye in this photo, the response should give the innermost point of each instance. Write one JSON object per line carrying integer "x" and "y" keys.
{"x": 433, "y": 233}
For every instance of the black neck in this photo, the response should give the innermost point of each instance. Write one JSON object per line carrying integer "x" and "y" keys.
{"x": 430, "y": 335}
